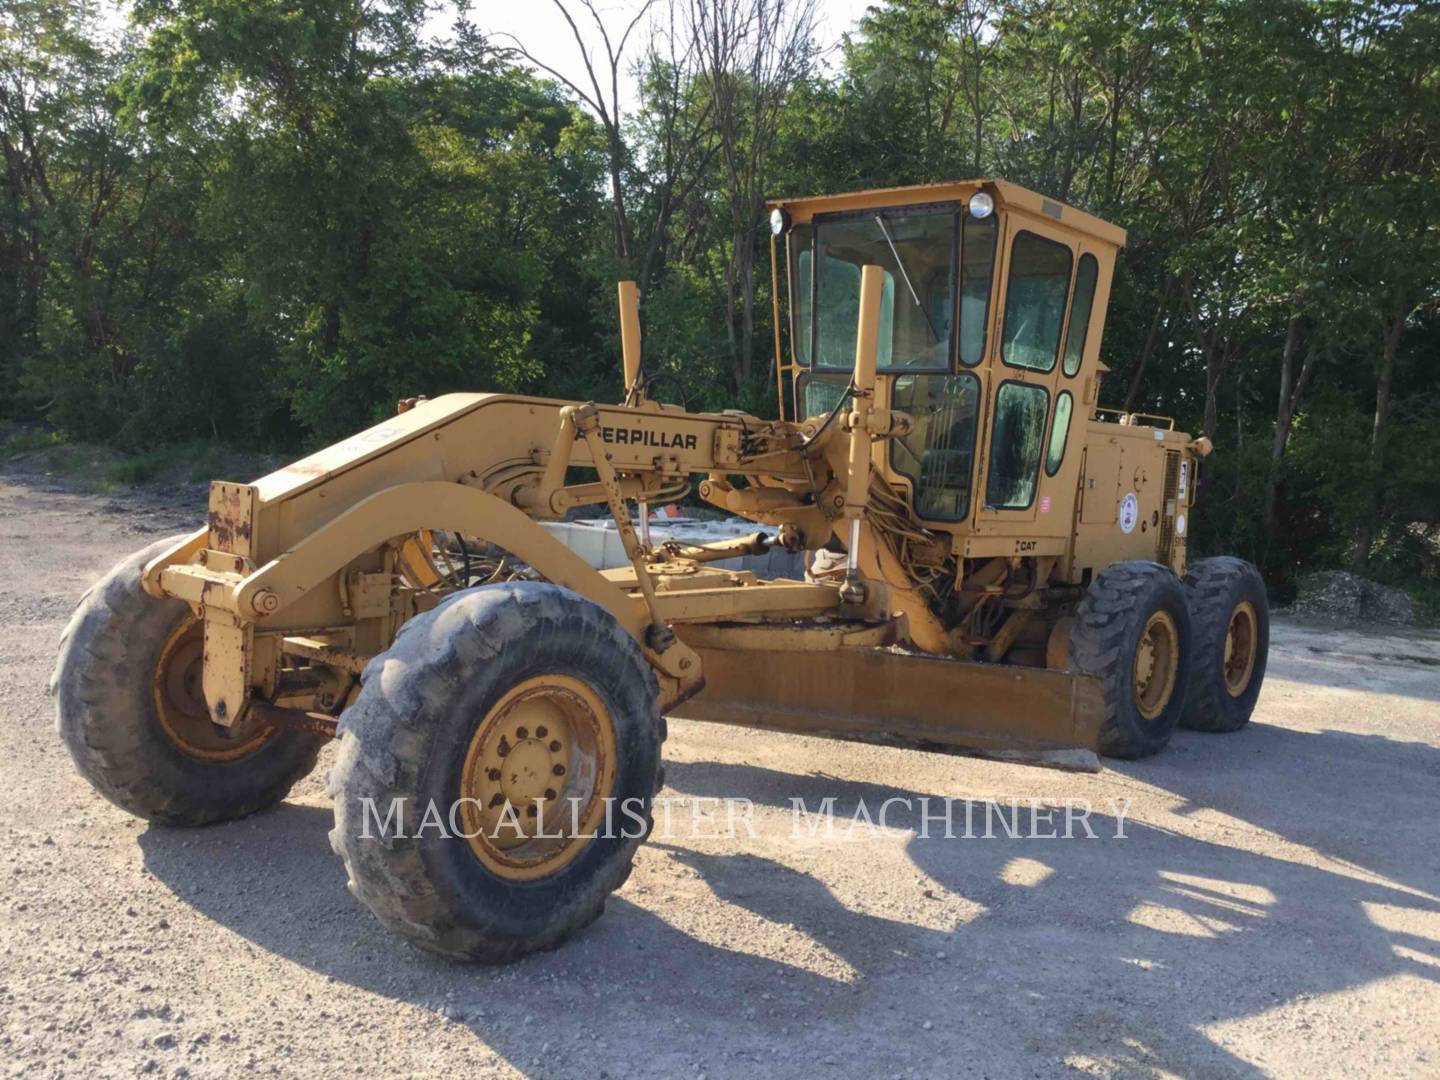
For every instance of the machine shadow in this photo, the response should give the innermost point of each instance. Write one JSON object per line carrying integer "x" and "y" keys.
{"x": 273, "y": 880}
{"x": 1312, "y": 801}
{"x": 1122, "y": 923}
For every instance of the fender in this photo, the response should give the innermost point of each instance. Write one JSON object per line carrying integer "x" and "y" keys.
{"x": 431, "y": 504}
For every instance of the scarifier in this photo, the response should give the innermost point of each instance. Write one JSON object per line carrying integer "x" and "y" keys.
{"x": 998, "y": 567}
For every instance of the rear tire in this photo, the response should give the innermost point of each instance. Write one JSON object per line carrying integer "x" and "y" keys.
{"x": 1231, "y": 619}
{"x": 1132, "y": 631}
{"x": 553, "y": 685}
{"x": 116, "y": 712}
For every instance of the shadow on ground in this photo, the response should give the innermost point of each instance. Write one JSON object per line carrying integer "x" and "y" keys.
{"x": 1142, "y": 942}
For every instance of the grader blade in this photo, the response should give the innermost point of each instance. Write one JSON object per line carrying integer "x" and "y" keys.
{"x": 1033, "y": 716}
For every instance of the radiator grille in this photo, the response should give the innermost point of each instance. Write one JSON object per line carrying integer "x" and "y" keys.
{"x": 1171, "y": 507}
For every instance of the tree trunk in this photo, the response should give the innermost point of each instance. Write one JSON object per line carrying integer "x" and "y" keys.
{"x": 1291, "y": 392}
{"x": 747, "y": 312}
{"x": 1114, "y": 149}
{"x": 1132, "y": 395}
{"x": 1384, "y": 383}
{"x": 623, "y": 244}
{"x": 1212, "y": 409}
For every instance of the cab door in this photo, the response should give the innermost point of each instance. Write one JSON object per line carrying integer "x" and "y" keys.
{"x": 1038, "y": 265}
{"x": 937, "y": 458}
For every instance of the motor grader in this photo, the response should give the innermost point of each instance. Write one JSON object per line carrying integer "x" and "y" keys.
{"x": 998, "y": 566}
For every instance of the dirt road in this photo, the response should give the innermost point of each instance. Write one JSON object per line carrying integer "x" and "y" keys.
{"x": 1273, "y": 906}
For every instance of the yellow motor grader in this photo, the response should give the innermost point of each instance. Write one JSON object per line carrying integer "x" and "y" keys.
{"x": 998, "y": 566}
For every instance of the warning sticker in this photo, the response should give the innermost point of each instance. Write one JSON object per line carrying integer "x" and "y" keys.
{"x": 1184, "y": 477}
{"x": 1129, "y": 512}
{"x": 1180, "y": 525}
{"x": 1044, "y": 504}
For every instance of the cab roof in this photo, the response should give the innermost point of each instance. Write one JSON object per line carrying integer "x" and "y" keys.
{"x": 1006, "y": 195}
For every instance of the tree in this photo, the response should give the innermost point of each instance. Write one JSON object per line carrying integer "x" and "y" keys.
{"x": 752, "y": 53}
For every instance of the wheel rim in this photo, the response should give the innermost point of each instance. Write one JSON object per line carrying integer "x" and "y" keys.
{"x": 1157, "y": 658}
{"x": 180, "y": 703}
{"x": 534, "y": 784}
{"x": 1240, "y": 639}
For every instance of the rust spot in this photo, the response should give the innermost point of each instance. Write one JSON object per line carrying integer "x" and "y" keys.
{"x": 229, "y": 518}
{"x": 300, "y": 468}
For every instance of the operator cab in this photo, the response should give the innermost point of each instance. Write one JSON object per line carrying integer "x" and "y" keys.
{"x": 992, "y": 293}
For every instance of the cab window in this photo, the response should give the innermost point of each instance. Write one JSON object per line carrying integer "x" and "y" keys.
{"x": 916, "y": 250}
{"x": 977, "y": 269}
{"x": 1059, "y": 432}
{"x": 802, "y": 267}
{"x": 938, "y": 454}
{"x": 1015, "y": 443}
{"x": 1080, "y": 313}
{"x": 821, "y": 393}
{"x": 1035, "y": 302}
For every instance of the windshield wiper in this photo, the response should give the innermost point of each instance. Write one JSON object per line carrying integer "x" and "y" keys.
{"x": 906, "y": 276}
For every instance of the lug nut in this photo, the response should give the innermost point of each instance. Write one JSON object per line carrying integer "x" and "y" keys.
{"x": 550, "y": 793}
{"x": 522, "y": 733}
{"x": 541, "y": 732}
{"x": 554, "y": 746}
{"x": 558, "y": 770}
{"x": 529, "y": 811}
{"x": 493, "y": 774}
{"x": 496, "y": 800}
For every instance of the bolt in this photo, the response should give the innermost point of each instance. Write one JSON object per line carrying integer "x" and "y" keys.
{"x": 522, "y": 733}
{"x": 554, "y": 746}
{"x": 503, "y": 748}
{"x": 496, "y": 800}
{"x": 529, "y": 811}
{"x": 549, "y": 793}
{"x": 558, "y": 770}
{"x": 266, "y": 602}
{"x": 541, "y": 732}
{"x": 493, "y": 774}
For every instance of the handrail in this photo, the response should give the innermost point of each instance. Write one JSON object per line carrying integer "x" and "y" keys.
{"x": 1128, "y": 419}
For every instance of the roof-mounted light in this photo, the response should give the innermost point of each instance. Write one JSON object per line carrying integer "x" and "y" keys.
{"x": 982, "y": 204}
{"x": 779, "y": 222}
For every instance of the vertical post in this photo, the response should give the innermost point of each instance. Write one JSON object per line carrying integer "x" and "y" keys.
{"x": 630, "y": 335}
{"x": 775, "y": 318}
{"x": 857, "y": 480}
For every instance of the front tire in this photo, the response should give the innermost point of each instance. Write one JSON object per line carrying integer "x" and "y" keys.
{"x": 1231, "y": 616}
{"x": 1132, "y": 631}
{"x": 130, "y": 711}
{"x": 514, "y": 711}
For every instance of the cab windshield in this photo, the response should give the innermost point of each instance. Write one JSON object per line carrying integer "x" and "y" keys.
{"x": 925, "y": 263}
{"x": 916, "y": 250}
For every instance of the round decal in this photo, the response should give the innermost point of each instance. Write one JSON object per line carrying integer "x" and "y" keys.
{"x": 1180, "y": 525}
{"x": 1129, "y": 512}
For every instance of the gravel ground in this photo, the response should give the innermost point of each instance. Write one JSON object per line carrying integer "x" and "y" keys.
{"x": 1271, "y": 908}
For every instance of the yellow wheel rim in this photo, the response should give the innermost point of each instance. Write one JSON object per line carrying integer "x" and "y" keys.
{"x": 1240, "y": 639}
{"x": 180, "y": 702}
{"x": 1157, "y": 659}
{"x": 536, "y": 777}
